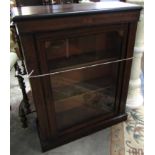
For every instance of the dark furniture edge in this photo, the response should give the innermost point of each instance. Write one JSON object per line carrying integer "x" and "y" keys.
{"x": 69, "y": 14}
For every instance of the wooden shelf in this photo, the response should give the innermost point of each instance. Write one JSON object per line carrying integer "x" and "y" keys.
{"x": 81, "y": 108}
{"x": 88, "y": 98}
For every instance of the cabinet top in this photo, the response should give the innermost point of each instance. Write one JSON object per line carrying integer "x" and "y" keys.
{"x": 50, "y": 11}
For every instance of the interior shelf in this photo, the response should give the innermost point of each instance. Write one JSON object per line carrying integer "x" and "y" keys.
{"x": 69, "y": 89}
{"x": 85, "y": 99}
{"x": 76, "y": 61}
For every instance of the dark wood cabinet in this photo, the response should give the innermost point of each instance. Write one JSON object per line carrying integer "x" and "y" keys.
{"x": 81, "y": 57}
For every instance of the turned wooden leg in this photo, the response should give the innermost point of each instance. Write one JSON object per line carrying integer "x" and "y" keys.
{"x": 22, "y": 86}
{"x": 24, "y": 69}
{"x": 24, "y": 107}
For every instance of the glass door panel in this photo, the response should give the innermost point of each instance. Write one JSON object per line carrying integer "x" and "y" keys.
{"x": 83, "y": 50}
{"x": 84, "y": 94}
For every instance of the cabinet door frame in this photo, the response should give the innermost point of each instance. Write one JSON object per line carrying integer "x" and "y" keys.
{"x": 42, "y": 37}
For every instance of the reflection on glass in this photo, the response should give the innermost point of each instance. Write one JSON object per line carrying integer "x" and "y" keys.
{"x": 82, "y": 50}
{"x": 81, "y": 95}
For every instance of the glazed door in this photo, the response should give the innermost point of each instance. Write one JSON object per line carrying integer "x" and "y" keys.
{"x": 84, "y": 73}
{"x": 83, "y": 94}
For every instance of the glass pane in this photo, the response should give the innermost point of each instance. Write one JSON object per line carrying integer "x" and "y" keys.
{"x": 84, "y": 49}
{"x": 81, "y": 95}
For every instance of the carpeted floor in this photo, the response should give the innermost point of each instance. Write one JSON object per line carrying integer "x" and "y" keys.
{"x": 122, "y": 139}
{"x": 127, "y": 138}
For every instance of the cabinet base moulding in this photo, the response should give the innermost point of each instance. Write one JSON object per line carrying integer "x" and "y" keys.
{"x": 66, "y": 138}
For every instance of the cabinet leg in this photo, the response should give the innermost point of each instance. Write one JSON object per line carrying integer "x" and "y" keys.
{"x": 22, "y": 86}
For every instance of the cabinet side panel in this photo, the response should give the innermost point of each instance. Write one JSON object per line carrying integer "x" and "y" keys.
{"x": 46, "y": 88}
{"x": 127, "y": 64}
{"x": 121, "y": 69}
{"x": 28, "y": 46}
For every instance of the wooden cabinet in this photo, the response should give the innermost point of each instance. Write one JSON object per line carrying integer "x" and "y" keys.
{"x": 81, "y": 55}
